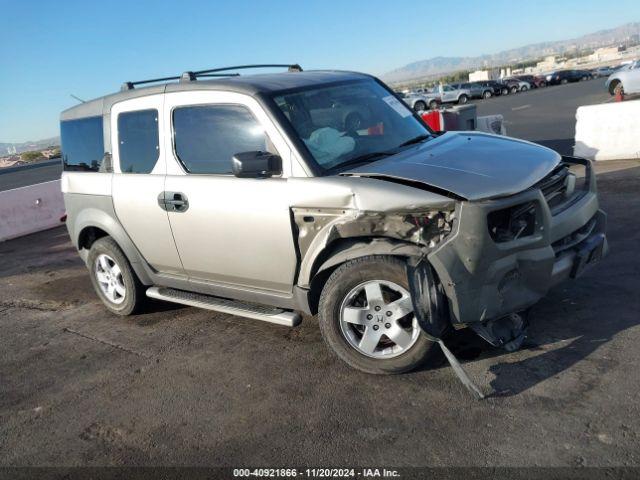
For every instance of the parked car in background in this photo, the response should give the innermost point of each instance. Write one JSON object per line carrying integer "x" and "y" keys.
{"x": 602, "y": 71}
{"x": 626, "y": 79}
{"x": 421, "y": 101}
{"x": 536, "y": 81}
{"x": 560, "y": 77}
{"x": 475, "y": 91}
{"x": 515, "y": 85}
{"x": 492, "y": 88}
{"x": 451, "y": 94}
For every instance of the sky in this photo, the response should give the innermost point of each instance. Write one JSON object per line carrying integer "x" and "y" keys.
{"x": 52, "y": 49}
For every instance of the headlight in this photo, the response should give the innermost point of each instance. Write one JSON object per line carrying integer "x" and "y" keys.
{"x": 512, "y": 223}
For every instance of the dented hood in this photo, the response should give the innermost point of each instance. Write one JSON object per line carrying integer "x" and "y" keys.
{"x": 471, "y": 165}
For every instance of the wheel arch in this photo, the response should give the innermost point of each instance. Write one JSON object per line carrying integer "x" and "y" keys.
{"x": 343, "y": 250}
{"x": 91, "y": 224}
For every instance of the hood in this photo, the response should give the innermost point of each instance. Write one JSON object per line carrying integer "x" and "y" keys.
{"x": 471, "y": 165}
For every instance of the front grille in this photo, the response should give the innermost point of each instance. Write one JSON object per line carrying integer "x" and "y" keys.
{"x": 554, "y": 186}
{"x": 562, "y": 186}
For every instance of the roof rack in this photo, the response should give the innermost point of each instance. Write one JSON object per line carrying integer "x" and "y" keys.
{"x": 213, "y": 72}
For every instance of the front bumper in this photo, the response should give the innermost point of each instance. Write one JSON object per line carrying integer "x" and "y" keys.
{"x": 485, "y": 280}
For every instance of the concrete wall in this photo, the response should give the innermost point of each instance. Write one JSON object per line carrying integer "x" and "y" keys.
{"x": 609, "y": 131}
{"x": 30, "y": 209}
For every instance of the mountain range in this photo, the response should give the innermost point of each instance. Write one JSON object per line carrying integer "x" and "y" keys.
{"x": 442, "y": 65}
{"x": 6, "y": 148}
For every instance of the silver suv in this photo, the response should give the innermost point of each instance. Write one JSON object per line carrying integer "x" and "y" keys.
{"x": 261, "y": 196}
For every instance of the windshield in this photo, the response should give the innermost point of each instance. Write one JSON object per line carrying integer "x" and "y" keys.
{"x": 357, "y": 122}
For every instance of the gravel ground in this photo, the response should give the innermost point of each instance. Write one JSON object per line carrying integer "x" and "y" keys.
{"x": 181, "y": 386}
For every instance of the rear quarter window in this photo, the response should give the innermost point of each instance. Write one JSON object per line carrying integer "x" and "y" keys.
{"x": 82, "y": 144}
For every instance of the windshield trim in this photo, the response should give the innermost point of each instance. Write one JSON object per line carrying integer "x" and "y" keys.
{"x": 309, "y": 161}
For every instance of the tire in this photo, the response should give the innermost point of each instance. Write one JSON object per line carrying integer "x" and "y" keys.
{"x": 420, "y": 106}
{"x": 345, "y": 337}
{"x": 619, "y": 89}
{"x": 514, "y": 89}
{"x": 487, "y": 95}
{"x": 564, "y": 81}
{"x": 504, "y": 91}
{"x": 542, "y": 84}
{"x": 128, "y": 294}
{"x": 433, "y": 105}
{"x": 613, "y": 86}
{"x": 524, "y": 88}
{"x": 462, "y": 99}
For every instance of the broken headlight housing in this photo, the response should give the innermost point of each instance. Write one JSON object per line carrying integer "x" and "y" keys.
{"x": 512, "y": 223}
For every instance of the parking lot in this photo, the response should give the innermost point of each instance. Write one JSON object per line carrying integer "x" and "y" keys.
{"x": 181, "y": 386}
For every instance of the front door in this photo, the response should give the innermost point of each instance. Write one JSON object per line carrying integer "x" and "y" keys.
{"x": 228, "y": 230}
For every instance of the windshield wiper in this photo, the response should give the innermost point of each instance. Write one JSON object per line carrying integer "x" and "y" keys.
{"x": 418, "y": 139}
{"x": 364, "y": 158}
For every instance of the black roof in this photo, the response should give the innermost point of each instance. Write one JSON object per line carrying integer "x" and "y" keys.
{"x": 250, "y": 84}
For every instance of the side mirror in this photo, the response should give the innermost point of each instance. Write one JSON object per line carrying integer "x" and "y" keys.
{"x": 256, "y": 164}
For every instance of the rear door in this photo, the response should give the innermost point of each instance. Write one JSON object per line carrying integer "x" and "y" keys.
{"x": 230, "y": 231}
{"x": 139, "y": 172}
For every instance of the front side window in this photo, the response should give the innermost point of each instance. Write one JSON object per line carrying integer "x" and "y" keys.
{"x": 82, "y": 144}
{"x": 349, "y": 123}
{"x": 138, "y": 144}
{"x": 206, "y": 137}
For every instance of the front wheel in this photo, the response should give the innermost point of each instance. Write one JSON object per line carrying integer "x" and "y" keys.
{"x": 504, "y": 91}
{"x": 514, "y": 89}
{"x": 463, "y": 99}
{"x": 487, "y": 94}
{"x": 113, "y": 279}
{"x": 420, "y": 106}
{"x": 366, "y": 317}
{"x": 433, "y": 105}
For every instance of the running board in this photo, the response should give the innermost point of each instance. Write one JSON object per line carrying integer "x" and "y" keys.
{"x": 232, "y": 307}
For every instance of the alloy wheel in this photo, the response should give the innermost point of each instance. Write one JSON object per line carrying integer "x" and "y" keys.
{"x": 376, "y": 319}
{"x": 109, "y": 277}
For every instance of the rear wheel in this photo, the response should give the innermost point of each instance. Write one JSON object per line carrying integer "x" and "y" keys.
{"x": 514, "y": 89}
{"x": 462, "y": 99}
{"x": 366, "y": 317}
{"x": 419, "y": 106}
{"x": 542, "y": 84}
{"x": 504, "y": 91}
{"x": 113, "y": 279}
{"x": 524, "y": 88}
{"x": 433, "y": 104}
{"x": 487, "y": 94}
{"x": 564, "y": 81}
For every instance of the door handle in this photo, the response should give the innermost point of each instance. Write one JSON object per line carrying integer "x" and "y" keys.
{"x": 173, "y": 201}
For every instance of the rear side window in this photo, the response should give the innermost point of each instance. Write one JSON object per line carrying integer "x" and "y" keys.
{"x": 138, "y": 146}
{"x": 206, "y": 137}
{"x": 82, "y": 144}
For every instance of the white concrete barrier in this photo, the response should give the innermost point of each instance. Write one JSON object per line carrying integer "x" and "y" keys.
{"x": 609, "y": 131}
{"x": 30, "y": 209}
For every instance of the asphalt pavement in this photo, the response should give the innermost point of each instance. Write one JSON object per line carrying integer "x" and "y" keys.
{"x": 182, "y": 386}
{"x": 16, "y": 177}
{"x": 546, "y": 115}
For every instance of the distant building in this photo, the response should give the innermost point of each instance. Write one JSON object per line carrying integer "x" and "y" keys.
{"x": 605, "y": 54}
{"x": 549, "y": 63}
{"x": 482, "y": 75}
